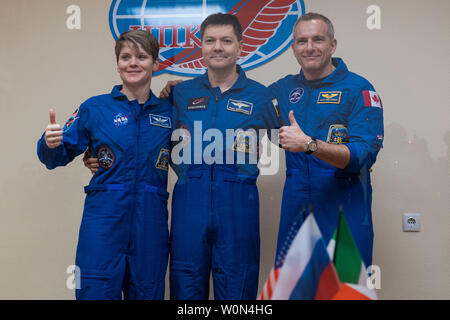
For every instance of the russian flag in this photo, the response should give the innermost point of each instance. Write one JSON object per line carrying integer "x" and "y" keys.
{"x": 306, "y": 271}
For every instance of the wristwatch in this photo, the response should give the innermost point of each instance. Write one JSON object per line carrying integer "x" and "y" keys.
{"x": 311, "y": 146}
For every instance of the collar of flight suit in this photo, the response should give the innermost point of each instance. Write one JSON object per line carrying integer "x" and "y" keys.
{"x": 240, "y": 83}
{"x": 117, "y": 95}
{"x": 337, "y": 75}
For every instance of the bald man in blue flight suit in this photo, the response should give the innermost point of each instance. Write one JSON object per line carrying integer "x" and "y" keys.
{"x": 335, "y": 132}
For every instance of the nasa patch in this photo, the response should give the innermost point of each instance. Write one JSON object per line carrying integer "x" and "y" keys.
{"x": 120, "y": 120}
{"x": 372, "y": 99}
{"x": 106, "y": 157}
{"x": 266, "y": 25}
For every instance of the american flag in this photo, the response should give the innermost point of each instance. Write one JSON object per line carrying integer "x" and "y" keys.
{"x": 268, "y": 289}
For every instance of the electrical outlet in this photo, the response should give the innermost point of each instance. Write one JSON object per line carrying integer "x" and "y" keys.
{"x": 411, "y": 222}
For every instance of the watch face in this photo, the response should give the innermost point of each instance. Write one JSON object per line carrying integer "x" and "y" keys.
{"x": 311, "y": 146}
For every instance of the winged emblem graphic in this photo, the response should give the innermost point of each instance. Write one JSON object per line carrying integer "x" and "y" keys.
{"x": 259, "y": 19}
{"x": 240, "y": 105}
{"x": 329, "y": 96}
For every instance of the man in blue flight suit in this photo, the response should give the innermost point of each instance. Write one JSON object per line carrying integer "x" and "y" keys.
{"x": 123, "y": 240}
{"x": 335, "y": 133}
{"x": 215, "y": 208}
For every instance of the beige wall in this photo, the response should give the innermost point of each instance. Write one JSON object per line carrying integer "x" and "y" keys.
{"x": 43, "y": 65}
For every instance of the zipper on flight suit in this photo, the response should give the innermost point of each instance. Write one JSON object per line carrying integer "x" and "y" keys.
{"x": 213, "y": 122}
{"x": 217, "y": 98}
{"x": 308, "y": 92}
{"x": 137, "y": 116}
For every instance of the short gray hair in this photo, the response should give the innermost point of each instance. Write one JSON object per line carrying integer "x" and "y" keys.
{"x": 317, "y": 16}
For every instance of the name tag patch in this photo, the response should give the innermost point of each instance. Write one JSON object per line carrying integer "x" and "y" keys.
{"x": 246, "y": 141}
{"x": 200, "y": 103}
{"x": 160, "y": 121}
{"x": 240, "y": 106}
{"x": 329, "y": 97}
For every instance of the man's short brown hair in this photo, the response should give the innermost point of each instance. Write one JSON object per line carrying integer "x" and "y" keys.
{"x": 219, "y": 19}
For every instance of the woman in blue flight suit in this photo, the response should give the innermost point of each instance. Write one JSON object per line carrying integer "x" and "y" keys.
{"x": 123, "y": 240}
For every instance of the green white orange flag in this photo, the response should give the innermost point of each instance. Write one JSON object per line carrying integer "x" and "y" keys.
{"x": 349, "y": 265}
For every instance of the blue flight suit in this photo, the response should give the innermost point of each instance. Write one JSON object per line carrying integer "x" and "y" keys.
{"x": 337, "y": 110}
{"x": 215, "y": 204}
{"x": 123, "y": 240}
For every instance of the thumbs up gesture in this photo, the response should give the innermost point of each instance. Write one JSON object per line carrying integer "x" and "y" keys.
{"x": 53, "y": 132}
{"x": 292, "y": 138}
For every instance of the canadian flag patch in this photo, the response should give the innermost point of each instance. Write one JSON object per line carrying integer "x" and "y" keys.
{"x": 372, "y": 99}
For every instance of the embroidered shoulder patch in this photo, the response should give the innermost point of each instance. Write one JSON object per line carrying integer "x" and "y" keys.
{"x": 71, "y": 120}
{"x": 372, "y": 99}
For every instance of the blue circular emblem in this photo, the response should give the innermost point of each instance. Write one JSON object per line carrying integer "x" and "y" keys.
{"x": 296, "y": 95}
{"x": 266, "y": 24}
